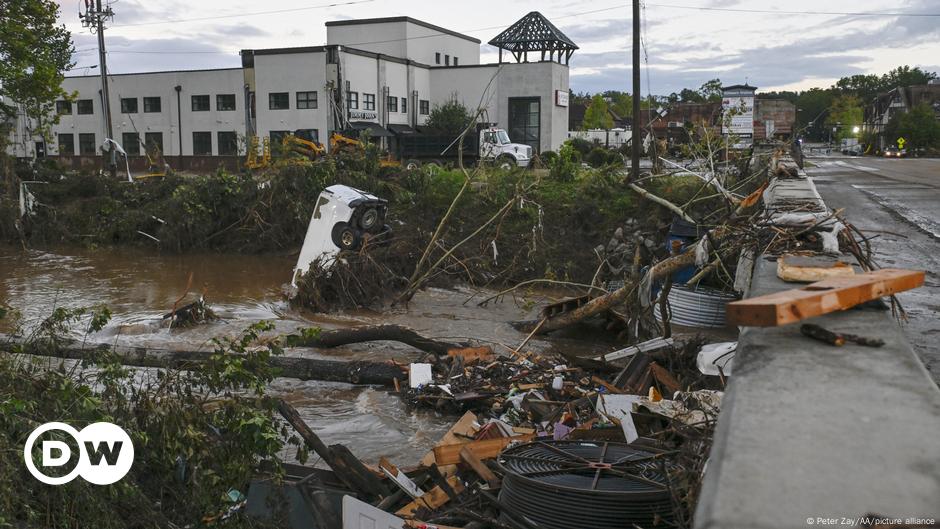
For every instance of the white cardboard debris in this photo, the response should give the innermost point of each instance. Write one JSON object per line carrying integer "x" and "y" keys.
{"x": 716, "y": 355}
{"x": 360, "y": 515}
{"x": 419, "y": 375}
{"x": 619, "y": 407}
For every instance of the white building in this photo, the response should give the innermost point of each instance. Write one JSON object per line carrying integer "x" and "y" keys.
{"x": 382, "y": 74}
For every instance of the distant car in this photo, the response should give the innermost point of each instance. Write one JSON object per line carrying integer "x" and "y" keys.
{"x": 894, "y": 152}
{"x": 854, "y": 150}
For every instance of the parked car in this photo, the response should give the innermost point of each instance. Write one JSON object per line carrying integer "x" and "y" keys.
{"x": 894, "y": 152}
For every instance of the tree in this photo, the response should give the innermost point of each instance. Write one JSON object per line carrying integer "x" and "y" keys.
{"x": 35, "y": 53}
{"x": 812, "y": 104}
{"x": 905, "y": 76}
{"x": 596, "y": 115}
{"x": 845, "y": 114}
{"x": 449, "y": 119}
{"x": 865, "y": 87}
{"x": 621, "y": 103}
{"x": 919, "y": 127}
{"x": 711, "y": 91}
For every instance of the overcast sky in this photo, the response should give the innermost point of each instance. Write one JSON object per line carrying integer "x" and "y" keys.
{"x": 684, "y": 47}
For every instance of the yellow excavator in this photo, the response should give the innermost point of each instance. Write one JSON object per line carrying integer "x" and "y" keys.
{"x": 307, "y": 149}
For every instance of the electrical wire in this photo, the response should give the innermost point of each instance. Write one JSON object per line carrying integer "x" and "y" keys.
{"x": 256, "y": 13}
{"x": 776, "y": 12}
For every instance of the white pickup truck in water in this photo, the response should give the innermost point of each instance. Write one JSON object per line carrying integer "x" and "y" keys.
{"x": 342, "y": 218}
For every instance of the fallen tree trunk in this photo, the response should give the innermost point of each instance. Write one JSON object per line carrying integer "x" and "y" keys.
{"x": 372, "y": 333}
{"x": 354, "y": 372}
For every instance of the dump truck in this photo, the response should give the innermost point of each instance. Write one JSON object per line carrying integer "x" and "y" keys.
{"x": 490, "y": 144}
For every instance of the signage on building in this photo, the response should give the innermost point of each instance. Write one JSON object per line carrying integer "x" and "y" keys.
{"x": 739, "y": 115}
{"x": 362, "y": 114}
{"x": 561, "y": 98}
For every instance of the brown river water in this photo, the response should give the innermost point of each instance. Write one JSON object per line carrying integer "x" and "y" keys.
{"x": 139, "y": 287}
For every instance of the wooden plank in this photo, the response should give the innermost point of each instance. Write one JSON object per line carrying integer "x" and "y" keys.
{"x": 483, "y": 354}
{"x": 469, "y": 457}
{"x": 457, "y": 433}
{"x": 665, "y": 378}
{"x": 433, "y": 499}
{"x": 823, "y": 297}
{"x": 809, "y": 269}
{"x": 485, "y": 449}
{"x": 606, "y": 385}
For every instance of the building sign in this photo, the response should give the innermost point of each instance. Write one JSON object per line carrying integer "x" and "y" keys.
{"x": 362, "y": 114}
{"x": 741, "y": 112}
{"x": 561, "y": 98}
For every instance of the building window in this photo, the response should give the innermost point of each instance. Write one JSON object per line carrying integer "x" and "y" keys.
{"x": 66, "y": 144}
{"x": 437, "y": 58}
{"x": 86, "y": 142}
{"x": 404, "y": 105}
{"x": 153, "y": 141}
{"x": 128, "y": 105}
{"x": 86, "y": 106}
{"x": 279, "y": 101}
{"x": 130, "y": 141}
{"x": 392, "y": 104}
{"x": 225, "y": 102}
{"x": 447, "y": 60}
{"x": 352, "y": 100}
{"x": 306, "y": 100}
{"x": 308, "y": 134}
{"x": 63, "y": 107}
{"x": 524, "y": 121}
{"x": 455, "y": 60}
{"x": 202, "y": 142}
{"x": 424, "y": 107}
{"x": 277, "y": 136}
{"x": 200, "y": 103}
{"x": 152, "y": 104}
{"x": 228, "y": 143}
{"x": 368, "y": 101}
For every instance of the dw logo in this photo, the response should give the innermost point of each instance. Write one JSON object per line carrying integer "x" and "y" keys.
{"x": 105, "y": 453}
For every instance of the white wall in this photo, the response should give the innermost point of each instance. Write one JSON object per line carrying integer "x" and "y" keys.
{"x": 423, "y": 42}
{"x": 291, "y": 73}
{"x": 404, "y": 39}
{"x": 388, "y": 37}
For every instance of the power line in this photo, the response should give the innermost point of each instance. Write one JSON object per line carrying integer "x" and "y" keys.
{"x": 219, "y": 17}
{"x": 776, "y": 12}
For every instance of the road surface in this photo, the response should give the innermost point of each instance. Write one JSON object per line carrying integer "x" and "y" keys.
{"x": 897, "y": 202}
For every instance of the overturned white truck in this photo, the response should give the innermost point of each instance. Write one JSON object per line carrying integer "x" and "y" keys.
{"x": 343, "y": 217}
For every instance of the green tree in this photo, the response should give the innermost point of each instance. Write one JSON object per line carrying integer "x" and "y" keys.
{"x": 865, "y": 87}
{"x": 711, "y": 91}
{"x": 35, "y": 53}
{"x": 621, "y": 103}
{"x": 450, "y": 118}
{"x": 905, "y": 76}
{"x": 596, "y": 115}
{"x": 919, "y": 127}
{"x": 845, "y": 114}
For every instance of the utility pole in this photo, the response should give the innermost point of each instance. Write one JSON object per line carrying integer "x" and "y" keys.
{"x": 94, "y": 17}
{"x": 635, "y": 167}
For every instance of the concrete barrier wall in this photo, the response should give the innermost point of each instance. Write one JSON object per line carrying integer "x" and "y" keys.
{"x": 811, "y": 434}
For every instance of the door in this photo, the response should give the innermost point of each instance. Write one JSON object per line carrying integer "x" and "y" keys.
{"x": 525, "y": 121}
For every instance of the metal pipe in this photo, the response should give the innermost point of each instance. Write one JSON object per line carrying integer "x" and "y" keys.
{"x": 179, "y": 125}
{"x": 635, "y": 166}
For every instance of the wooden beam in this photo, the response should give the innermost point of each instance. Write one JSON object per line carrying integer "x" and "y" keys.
{"x": 823, "y": 297}
{"x": 469, "y": 457}
{"x": 485, "y": 449}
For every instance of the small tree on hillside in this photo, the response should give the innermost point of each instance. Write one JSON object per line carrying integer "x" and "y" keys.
{"x": 449, "y": 119}
{"x": 596, "y": 115}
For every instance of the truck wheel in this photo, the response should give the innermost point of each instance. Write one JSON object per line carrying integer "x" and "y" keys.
{"x": 369, "y": 219}
{"x": 346, "y": 237}
{"x": 434, "y": 166}
{"x": 505, "y": 162}
{"x": 412, "y": 165}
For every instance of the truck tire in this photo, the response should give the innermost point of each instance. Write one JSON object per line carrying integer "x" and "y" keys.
{"x": 505, "y": 162}
{"x": 412, "y": 165}
{"x": 345, "y": 237}
{"x": 369, "y": 219}
{"x": 434, "y": 166}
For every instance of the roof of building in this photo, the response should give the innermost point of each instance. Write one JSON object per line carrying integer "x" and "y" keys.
{"x": 533, "y": 32}
{"x": 744, "y": 86}
{"x": 415, "y": 21}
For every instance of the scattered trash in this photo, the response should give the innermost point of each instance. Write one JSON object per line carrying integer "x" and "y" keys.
{"x": 835, "y": 338}
{"x": 715, "y": 359}
{"x": 419, "y": 375}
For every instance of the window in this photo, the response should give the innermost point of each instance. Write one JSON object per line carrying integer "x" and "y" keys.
{"x": 306, "y": 100}
{"x": 424, "y": 107}
{"x": 277, "y": 136}
{"x": 447, "y": 60}
{"x": 368, "y": 101}
{"x": 308, "y": 134}
{"x": 63, "y": 107}
{"x": 437, "y": 58}
{"x": 200, "y": 103}
{"x": 279, "y": 101}
{"x": 392, "y": 104}
{"x": 524, "y": 121}
{"x": 154, "y": 141}
{"x": 455, "y": 60}
{"x": 404, "y": 106}
{"x": 86, "y": 142}
{"x": 128, "y": 105}
{"x": 66, "y": 144}
{"x": 202, "y": 142}
{"x": 228, "y": 143}
{"x": 225, "y": 102}
{"x": 352, "y": 100}
{"x": 86, "y": 106}
{"x": 131, "y": 143}
{"x": 152, "y": 104}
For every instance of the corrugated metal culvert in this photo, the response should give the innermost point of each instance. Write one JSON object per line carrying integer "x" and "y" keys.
{"x": 600, "y": 485}
{"x": 698, "y": 307}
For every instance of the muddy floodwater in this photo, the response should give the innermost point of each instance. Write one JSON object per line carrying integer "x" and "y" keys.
{"x": 139, "y": 287}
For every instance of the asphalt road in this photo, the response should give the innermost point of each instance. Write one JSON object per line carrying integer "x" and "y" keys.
{"x": 897, "y": 203}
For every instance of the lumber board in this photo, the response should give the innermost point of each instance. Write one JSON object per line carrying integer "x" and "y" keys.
{"x": 464, "y": 427}
{"x": 809, "y": 269}
{"x": 485, "y": 449}
{"x": 432, "y": 499}
{"x": 469, "y": 457}
{"x": 823, "y": 297}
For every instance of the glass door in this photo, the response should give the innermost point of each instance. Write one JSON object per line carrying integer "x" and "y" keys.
{"x": 525, "y": 121}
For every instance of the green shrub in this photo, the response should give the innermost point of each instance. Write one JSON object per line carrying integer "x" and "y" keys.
{"x": 597, "y": 157}
{"x": 565, "y": 167}
{"x": 581, "y": 145}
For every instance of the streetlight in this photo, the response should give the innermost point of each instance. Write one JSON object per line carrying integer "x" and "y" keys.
{"x": 855, "y": 129}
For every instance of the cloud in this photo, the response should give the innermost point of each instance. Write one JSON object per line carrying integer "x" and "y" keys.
{"x": 131, "y": 55}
